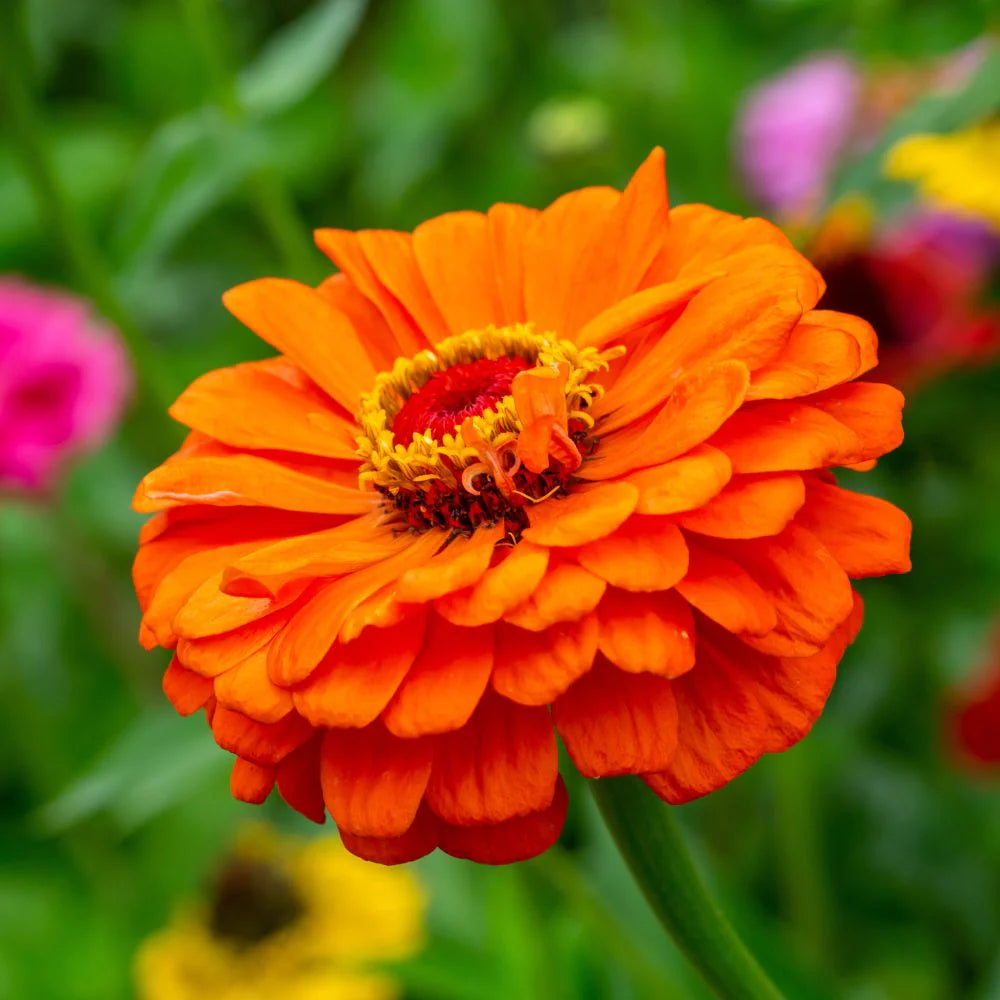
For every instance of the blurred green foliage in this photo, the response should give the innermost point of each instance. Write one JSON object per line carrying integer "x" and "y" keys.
{"x": 197, "y": 143}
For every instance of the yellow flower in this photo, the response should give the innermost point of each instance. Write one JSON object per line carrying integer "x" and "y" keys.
{"x": 957, "y": 171}
{"x": 290, "y": 919}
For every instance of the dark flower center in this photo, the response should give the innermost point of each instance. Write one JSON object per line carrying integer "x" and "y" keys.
{"x": 853, "y": 286}
{"x": 252, "y": 900}
{"x": 449, "y": 396}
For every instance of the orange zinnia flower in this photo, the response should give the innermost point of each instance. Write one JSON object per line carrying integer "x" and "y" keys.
{"x": 513, "y": 474}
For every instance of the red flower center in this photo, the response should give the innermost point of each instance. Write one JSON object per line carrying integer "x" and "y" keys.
{"x": 449, "y": 396}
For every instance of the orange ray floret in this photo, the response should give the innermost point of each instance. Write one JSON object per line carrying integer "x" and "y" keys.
{"x": 517, "y": 474}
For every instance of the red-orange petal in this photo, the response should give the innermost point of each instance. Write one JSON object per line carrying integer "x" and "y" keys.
{"x": 298, "y": 780}
{"x": 260, "y": 742}
{"x": 357, "y": 679}
{"x": 373, "y": 783}
{"x": 618, "y": 723}
{"x": 502, "y": 764}
{"x": 749, "y": 507}
{"x": 513, "y": 840}
{"x": 186, "y": 690}
{"x": 250, "y": 782}
{"x": 533, "y": 668}
{"x": 589, "y": 512}
{"x": 866, "y": 535}
{"x": 417, "y": 841}
{"x": 683, "y": 483}
{"x": 247, "y": 688}
{"x": 738, "y": 705}
{"x": 296, "y": 320}
{"x": 443, "y": 687}
{"x": 647, "y": 633}
{"x": 567, "y": 592}
{"x": 459, "y": 564}
{"x": 645, "y": 553}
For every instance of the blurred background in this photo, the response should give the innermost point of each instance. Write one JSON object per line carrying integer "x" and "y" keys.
{"x": 155, "y": 152}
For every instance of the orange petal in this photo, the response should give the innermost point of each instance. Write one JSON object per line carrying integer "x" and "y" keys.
{"x": 554, "y": 252}
{"x": 645, "y": 553}
{"x": 725, "y": 592}
{"x": 647, "y": 633}
{"x": 738, "y": 704}
{"x": 357, "y": 679}
{"x": 445, "y": 684}
{"x": 625, "y": 321}
{"x": 617, "y": 723}
{"x": 215, "y": 654}
{"x": 246, "y": 688}
{"x": 701, "y": 237}
{"x": 513, "y": 840}
{"x": 260, "y": 742}
{"x": 501, "y": 588}
{"x": 698, "y": 405}
{"x": 185, "y": 690}
{"x": 540, "y": 400}
{"x": 871, "y": 410}
{"x": 419, "y": 840}
{"x": 455, "y": 255}
{"x": 780, "y": 436}
{"x": 337, "y": 551}
{"x": 307, "y": 638}
{"x": 378, "y": 341}
{"x": 249, "y": 406}
{"x": 176, "y": 588}
{"x": 509, "y": 226}
{"x": 298, "y": 780}
{"x": 825, "y": 349}
{"x": 250, "y": 782}
{"x": 381, "y": 262}
{"x": 683, "y": 483}
{"x": 749, "y": 507}
{"x": 210, "y": 612}
{"x": 459, "y": 564}
{"x": 533, "y": 668}
{"x": 810, "y": 592}
{"x": 745, "y": 316}
{"x": 502, "y": 764}
{"x": 245, "y": 480}
{"x": 373, "y": 783}
{"x": 566, "y": 593}
{"x": 297, "y": 321}
{"x": 588, "y": 512}
{"x": 866, "y": 535}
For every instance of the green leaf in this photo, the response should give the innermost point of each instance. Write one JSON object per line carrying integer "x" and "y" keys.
{"x": 298, "y": 57}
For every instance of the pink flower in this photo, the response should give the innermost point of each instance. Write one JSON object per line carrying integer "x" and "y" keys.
{"x": 64, "y": 380}
{"x": 792, "y": 129}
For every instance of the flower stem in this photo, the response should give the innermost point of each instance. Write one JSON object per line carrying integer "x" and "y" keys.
{"x": 79, "y": 249}
{"x": 647, "y": 834}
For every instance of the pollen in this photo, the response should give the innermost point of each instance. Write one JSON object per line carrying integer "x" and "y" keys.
{"x": 487, "y": 423}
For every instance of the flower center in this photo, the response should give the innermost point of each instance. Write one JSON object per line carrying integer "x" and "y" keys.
{"x": 252, "y": 901}
{"x": 449, "y": 396}
{"x": 487, "y": 423}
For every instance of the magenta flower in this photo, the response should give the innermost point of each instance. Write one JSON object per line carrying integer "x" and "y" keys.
{"x": 792, "y": 128}
{"x": 64, "y": 380}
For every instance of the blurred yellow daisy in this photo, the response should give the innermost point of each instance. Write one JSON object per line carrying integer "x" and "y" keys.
{"x": 957, "y": 171}
{"x": 299, "y": 920}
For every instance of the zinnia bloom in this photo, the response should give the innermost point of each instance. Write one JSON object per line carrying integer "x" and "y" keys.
{"x": 302, "y": 920}
{"x": 793, "y": 128}
{"x": 957, "y": 172}
{"x": 64, "y": 380}
{"x": 517, "y": 473}
{"x": 921, "y": 282}
{"x": 974, "y": 719}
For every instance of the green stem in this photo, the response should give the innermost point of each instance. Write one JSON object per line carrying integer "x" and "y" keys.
{"x": 647, "y": 834}
{"x": 563, "y": 875}
{"x": 271, "y": 198}
{"x": 66, "y": 227}
{"x": 800, "y": 853}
